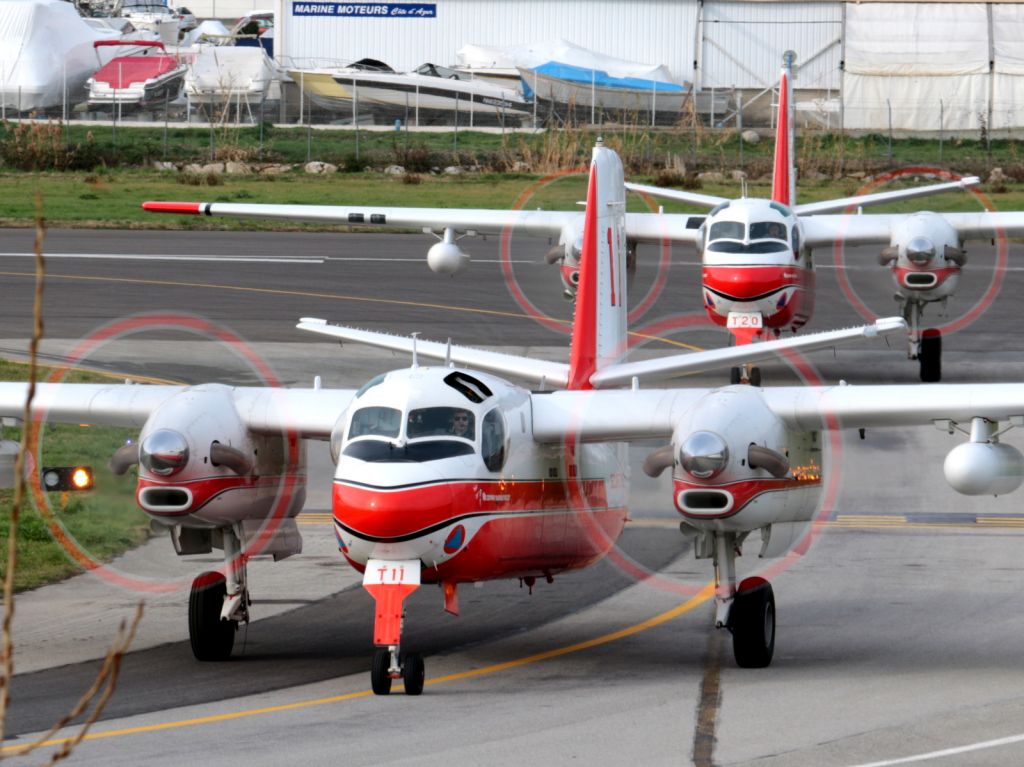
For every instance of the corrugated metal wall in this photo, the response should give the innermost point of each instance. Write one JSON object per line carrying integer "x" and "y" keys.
{"x": 742, "y": 43}
{"x": 655, "y": 31}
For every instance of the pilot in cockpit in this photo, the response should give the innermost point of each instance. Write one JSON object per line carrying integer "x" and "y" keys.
{"x": 461, "y": 424}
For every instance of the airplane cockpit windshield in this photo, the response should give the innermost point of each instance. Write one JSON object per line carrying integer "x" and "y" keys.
{"x": 730, "y": 237}
{"x": 431, "y": 433}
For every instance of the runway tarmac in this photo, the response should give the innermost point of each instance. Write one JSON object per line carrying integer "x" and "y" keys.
{"x": 898, "y": 631}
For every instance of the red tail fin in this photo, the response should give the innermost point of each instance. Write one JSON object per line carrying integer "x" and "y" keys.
{"x": 599, "y": 325}
{"x": 784, "y": 177}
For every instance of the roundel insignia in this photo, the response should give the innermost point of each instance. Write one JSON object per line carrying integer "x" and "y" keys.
{"x": 455, "y": 540}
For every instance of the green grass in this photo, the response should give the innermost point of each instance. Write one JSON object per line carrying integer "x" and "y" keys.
{"x": 100, "y": 523}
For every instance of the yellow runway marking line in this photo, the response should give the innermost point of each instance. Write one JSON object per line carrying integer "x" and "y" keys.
{"x": 698, "y": 599}
{"x": 327, "y": 296}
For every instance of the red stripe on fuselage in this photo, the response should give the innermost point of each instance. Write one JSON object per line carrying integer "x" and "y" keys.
{"x": 206, "y": 489}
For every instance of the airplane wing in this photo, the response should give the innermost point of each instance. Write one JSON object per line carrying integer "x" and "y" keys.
{"x": 679, "y": 195}
{"x": 642, "y": 227}
{"x": 716, "y": 359}
{"x": 880, "y": 198}
{"x": 556, "y": 374}
{"x": 310, "y": 412}
{"x": 874, "y": 229}
{"x": 643, "y": 414}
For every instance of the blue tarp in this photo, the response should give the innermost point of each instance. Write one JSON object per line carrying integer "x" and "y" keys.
{"x": 599, "y": 78}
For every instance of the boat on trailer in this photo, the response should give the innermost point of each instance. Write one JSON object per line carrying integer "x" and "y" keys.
{"x": 137, "y": 81}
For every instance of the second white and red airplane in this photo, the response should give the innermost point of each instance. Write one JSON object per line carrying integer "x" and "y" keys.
{"x": 455, "y": 473}
{"x": 757, "y": 254}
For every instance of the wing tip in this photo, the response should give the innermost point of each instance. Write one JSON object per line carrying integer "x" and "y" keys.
{"x": 183, "y": 208}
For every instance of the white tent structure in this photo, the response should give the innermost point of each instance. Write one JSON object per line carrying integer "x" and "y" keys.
{"x": 926, "y": 66}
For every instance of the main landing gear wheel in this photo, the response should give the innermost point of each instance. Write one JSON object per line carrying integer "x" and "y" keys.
{"x": 413, "y": 673}
{"x": 380, "y": 674}
{"x": 930, "y": 356}
{"x": 211, "y": 637}
{"x": 752, "y": 622}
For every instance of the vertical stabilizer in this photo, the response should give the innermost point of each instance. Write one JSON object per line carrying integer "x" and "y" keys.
{"x": 784, "y": 175}
{"x": 599, "y": 324}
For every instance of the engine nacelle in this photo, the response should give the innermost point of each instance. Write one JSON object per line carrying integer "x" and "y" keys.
{"x": 200, "y": 467}
{"x": 984, "y": 468}
{"x": 446, "y": 257}
{"x": 737, "y": 467}
{"x": 925, "y": 257}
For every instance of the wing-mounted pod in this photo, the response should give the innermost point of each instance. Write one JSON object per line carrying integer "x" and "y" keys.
{"x": 446, "y": 257}
{"x": 983, "y": 465}
{"x": 199, "y": 466}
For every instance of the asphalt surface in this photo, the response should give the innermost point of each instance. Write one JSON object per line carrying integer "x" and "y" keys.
{"x": 898, "y": 631}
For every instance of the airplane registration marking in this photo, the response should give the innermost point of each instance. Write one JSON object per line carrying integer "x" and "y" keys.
{"x": 702, "y": 596}
{"x": 328, "y": 296}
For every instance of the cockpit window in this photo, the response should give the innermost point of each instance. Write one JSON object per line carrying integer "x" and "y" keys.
{"x": 759, "y": 247}
{"x": 726, "y": 230}
{"x": 767, "y": 230}
{"x": 493, "y": 440}
{"x": 379, "y": 451}
{"x": 375, "y": 421}
{"x": 441, "y": 421}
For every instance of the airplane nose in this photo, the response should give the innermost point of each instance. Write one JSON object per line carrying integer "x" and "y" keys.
{"x": 374, "y": 510}
{"x": 920, "y": 250}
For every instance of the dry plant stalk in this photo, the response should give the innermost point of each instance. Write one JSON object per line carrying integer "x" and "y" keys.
{"x": 105, "y": 683}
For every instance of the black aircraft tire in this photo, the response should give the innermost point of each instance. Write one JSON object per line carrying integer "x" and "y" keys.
{"x": 413, "y": 673}
{"x": 380, "y": 679}
{"x": 930, "y": 356}
{"x": 752, "y": 622}
{"x": 212, "y": 638}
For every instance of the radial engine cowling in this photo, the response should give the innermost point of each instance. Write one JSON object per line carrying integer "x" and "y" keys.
{"x": 984, "y": 468}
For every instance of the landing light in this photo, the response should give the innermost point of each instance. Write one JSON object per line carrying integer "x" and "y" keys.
{"x": 62, "y": 478}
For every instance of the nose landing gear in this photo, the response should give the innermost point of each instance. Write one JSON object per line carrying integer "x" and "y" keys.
{"x": 389, "y": 583}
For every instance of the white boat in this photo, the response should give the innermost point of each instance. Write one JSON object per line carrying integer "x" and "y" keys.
{"x": 568, "y": 87}
{"x": 325, "y": 86}
{"x": 226, "y": 76}
{"x": 46, "y": 54}
{"x": 155, "y": 17}
{"x": 434, "y": 93}
{"x": 137, "y": 81}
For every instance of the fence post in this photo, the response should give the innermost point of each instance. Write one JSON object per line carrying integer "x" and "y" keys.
{"x": 942, "y": 127}
{"x": 355, "y": 113}
{"x": 739, "y": 123}
{"x": 888, "y": 105}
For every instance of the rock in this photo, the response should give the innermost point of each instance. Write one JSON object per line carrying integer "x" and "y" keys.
{"x": 192, "y": 168}
{"x": 275, "y": 170}
{"x": 320, "y": 167}
{"x": 997, "y": 177}
{"x": 453, "y": 170}
{"x": 394, "y": 170}
{"x": 738, "y": 175}
{"x": 162, "y": 165}
{"x": 212, "y": 167}
{"x": 750, "y": 136}
{"x": 859, "y": 175}
{"x": 237, "y": 169}
{"x": 711, "y": 175}
{"x": 520, "y": 167}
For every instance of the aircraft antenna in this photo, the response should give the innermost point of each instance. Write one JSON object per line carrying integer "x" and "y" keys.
{"x": 415, "y": 360}
{"x": 448, "y": 354}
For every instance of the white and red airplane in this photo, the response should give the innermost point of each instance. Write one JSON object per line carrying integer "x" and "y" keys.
{"x": 454, "y": 474}
{"x": 758, "y": 276}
